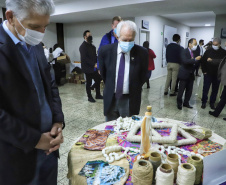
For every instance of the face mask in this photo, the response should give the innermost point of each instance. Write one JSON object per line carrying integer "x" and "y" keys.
{"x": 115, "y": 31}
{"x": 215, "y": 47}
{"x": 90, "y": 39}
{"x": 194, "y": 48}
{"x": 126, "y": 46}
{"x": 31, "y": 37}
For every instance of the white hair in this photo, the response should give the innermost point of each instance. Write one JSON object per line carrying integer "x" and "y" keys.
{"x": 23, "y": 8}
{"x": 218, "y": 40}
{"x": 130, "y": 24}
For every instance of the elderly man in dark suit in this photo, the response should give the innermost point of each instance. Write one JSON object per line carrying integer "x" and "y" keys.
{"x": 186, "y": 74}
{"x": 31, "y": 117}
{"x": 123, "y": 67}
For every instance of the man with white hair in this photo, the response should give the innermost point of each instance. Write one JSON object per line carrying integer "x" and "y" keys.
{"x": 31, "y": 117}
{"x": 123, "y": 67}
{"x": 210, "y": 63}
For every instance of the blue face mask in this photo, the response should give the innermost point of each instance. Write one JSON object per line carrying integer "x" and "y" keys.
{"x": 115, "y": 31}
{"x": 126, "y": 46}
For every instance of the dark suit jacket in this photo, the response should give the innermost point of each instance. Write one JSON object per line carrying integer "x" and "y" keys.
{"x": 187, "y": 67}
{"x": 19, "y": 112}
{"x": 88, "y": 57}
{"x": 197, "y": 51}
{"x": 173, "y": 53}
{"x": 137, "y": 75}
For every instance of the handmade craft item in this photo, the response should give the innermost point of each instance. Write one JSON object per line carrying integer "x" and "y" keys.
{"x": 172, "y": 160}
{"x": 146, "y": 134}
{"x": 142, "y": 172}
{"x": 198, "y": 163}
{"x": 125, "y": 124}
{"x": 164, "y": 175}
{"x": 156, "y": 137}
{"x": 200, "y": 133}
{"x": 155, "y": 159}
{"x": 111, "y": 156}
{"x": 186, "y": 174}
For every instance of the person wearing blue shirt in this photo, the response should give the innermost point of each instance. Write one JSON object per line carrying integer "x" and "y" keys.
{"x": 109, "y": 38}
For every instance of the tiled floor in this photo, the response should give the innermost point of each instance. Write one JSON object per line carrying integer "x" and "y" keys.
{"x": 81, "y": 115}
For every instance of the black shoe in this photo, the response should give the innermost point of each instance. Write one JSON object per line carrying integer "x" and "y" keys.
{"x": 148, "y": 87}
{"x": 99, "y": 97}
{"x": 212, "y": 106}
{"x": 213, "y": 114}
{"x": 91, "y": 100}
{"x": 179, "y": 107}
{"x": 165, "y": 93}
{"x": 92, "y": 88}
{"x": 174, "y": 94}
{"x": 203, "y": 106}
{"x": 176, "y": 90}
{"x": 224, "y": 119}
{"x": 188, "y": 106}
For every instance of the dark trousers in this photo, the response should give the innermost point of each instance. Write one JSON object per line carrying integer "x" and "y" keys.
{"x": 221, "y": 104}
{"x": 208, "y": 81}
{"x": 148, "y": 77}
{"x": 187, "y": 86}
{"x": 89, "y": 76}
{"x": 119, "y": 107}
{"x": 197, "y": 69}
{"x": 46, "y": 169}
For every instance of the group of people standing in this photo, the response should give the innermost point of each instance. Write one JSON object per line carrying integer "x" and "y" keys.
{"x": 183, "y": 65}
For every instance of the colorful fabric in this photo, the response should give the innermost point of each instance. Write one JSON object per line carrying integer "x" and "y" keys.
{"x": 94, "y": 139}
{"x": 109, "y": 127}
{"x": 100, "y": 172}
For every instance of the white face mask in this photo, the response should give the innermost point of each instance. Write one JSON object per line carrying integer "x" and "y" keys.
{"x": 215, "y": 47}
{"x": 31, "y": 37}
{"x": 194, "y": 48}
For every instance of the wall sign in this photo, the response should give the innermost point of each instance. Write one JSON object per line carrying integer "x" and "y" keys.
{"x": 145, "y": 24}
{"x": 223, "y": 33}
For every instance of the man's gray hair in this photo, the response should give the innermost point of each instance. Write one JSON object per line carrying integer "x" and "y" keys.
{"x": 23, "y": 8}
{"x": 130, "y": 24}
{"x": 218, "y": 40}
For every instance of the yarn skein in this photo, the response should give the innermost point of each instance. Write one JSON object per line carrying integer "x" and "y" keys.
{"x": 198, "y": 163}
{"x": 155, "y": 159}
{"x": 142, "y": 172}
{"x": 186, "y": 174}
{"x": 164, "y": 175}
{"x": 172, "y": 160}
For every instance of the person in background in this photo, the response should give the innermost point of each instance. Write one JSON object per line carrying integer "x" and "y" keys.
{"x": 109, "y": 38}
{"x": 208, "y": 45}
{"x": 186, "y": 74}
{"x": 151, "y": 64}
{"x": 222, "y": 78}
{"x": 31, "y": 116}
{"x": 173, "y": 58}
{"x": 199, "y": 52}
{"x": 123, "y": 67}
{"x": 89, "y": 63}
{"x": 210, "y": 63}
{"x": 59, "y": 68}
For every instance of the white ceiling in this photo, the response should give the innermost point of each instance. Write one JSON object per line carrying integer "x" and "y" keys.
{"x": 194, "y": 13}
{"x": 193, "y": 19}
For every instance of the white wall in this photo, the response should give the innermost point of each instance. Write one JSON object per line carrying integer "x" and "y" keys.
{"x": 205, "y": 33}
{"x": 73, "y": 35}
{"x": 50, "y": 37}
{"x": 156, "y": 26}
{"x": 220, "y": 23}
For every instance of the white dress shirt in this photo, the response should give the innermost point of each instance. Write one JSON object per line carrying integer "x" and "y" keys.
{"x": 126, "y": 73}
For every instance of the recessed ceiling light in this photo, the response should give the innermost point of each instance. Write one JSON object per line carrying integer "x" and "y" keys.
{"x": 207, "y": 24}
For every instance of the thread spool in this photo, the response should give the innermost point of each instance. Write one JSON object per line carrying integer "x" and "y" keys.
{"x": 186, "y": 174}
{"x": 142, "y": 173}
{"x": 164, "y": 175}
{"x": 172, "y": 160}
{"x": 198, "y": 163}
{"x": 156, "y": 160}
